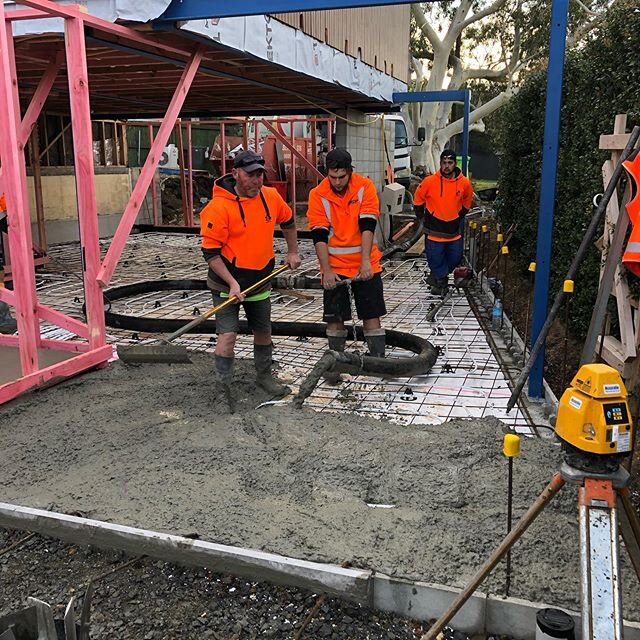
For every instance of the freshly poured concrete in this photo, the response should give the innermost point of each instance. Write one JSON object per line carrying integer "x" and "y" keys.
{"x": 10, "y": 360}
{"x": 150, "y": 446}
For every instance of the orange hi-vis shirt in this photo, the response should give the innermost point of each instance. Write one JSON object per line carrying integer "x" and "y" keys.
{"x": 3, "y": 203}
{"x": 242, "y": 228}
{"x": 631, "y": 256}
{"x": 443, "y": 199}
{"x": 341, "y": 215}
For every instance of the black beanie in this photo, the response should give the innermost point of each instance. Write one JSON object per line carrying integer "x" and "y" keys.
{"x": 448, "y": 153}
{"x": 338, "y": 159}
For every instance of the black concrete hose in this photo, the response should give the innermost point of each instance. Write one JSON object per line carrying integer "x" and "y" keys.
{"x": 397, "y": 367}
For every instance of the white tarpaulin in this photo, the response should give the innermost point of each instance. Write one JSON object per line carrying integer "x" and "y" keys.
{"x": 226, "y": 31}
{"x": 110, "y": 10}
{"x": 314, "y": 58}
{"x": 268, "y": 39}
{"x": 261, "y": 36}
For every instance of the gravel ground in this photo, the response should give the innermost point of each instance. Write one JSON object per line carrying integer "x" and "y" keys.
{"x": 152, "y": 599}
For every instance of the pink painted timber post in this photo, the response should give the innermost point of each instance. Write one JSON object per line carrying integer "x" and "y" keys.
{"x": 154, "y": 193}
{"x": 148, "y": 171}
{"x": 190, "y": 169}
{"x": 14, "y": 178}
{"x": 85, "y": 179}
{"x": 183, "y": 176}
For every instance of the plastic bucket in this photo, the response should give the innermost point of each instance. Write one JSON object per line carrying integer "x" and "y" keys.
{"x": 552, "y": 624}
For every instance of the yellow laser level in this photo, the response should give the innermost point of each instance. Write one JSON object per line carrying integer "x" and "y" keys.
{"x": 593, "y": 414}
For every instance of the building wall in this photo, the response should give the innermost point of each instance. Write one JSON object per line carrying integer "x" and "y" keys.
{"x": 365, "y": 143}
{"x": 378, "y": 36}
{"x": 59, "y": 194}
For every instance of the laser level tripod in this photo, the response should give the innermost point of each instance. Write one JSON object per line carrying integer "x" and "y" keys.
{"x": 594, "y": 425}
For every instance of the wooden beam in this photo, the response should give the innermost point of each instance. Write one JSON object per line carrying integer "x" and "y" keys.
{"x": 614, "y": 141}
{"x": 40, "y": 97}
{"x": 14, "y": 179}
{"x": 142, "y": 185}
{"x": 85, "y": 179}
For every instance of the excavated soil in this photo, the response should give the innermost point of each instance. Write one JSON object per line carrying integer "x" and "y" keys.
{"x": 149, "y": 446}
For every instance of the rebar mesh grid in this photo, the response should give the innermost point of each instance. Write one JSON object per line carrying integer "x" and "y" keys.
{"x": 466, "y": 381}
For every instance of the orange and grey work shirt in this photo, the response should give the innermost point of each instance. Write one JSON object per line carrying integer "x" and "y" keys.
{"x": 3, "y": 203}
{"x": 339, "y": 220}
{"x": 240, "y": 230}
{"x": 444, "y": 200}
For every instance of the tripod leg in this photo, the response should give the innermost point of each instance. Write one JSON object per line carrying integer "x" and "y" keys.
{"x": 557, "y": 482}
{"x": 600, "y": 570}
{"x": 629, "y": 527}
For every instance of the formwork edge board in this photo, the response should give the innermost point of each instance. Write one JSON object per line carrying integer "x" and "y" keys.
{"x": 352, "y": 584}
{"x": 517, "y": 618}
{"x": 425, "y": 601}
{"x": 417, "y": 600}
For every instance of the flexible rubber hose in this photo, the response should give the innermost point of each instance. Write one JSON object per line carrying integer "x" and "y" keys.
{"x": 401, "y": 367}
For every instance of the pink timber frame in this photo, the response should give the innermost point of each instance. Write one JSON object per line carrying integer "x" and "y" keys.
{"x": 93, "y": 350}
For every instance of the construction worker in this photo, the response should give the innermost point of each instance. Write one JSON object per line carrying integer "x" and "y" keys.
{"x": 237, "y": 229}
{"x": 7, "y": 323}
{"x": 343, "y": 213}
{"x": 440, "y": 202}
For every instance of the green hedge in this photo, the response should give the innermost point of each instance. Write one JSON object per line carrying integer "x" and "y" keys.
{"x": 601, "y": 81}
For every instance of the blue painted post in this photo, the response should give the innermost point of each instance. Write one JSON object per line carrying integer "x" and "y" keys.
{"x": 559, "y": 12}
{"x": 465, "y": 132}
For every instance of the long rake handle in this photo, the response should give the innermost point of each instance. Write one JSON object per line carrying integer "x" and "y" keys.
{"x": 207, "y": 314}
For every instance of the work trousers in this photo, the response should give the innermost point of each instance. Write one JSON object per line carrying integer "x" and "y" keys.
{"x": 443, "y": 257}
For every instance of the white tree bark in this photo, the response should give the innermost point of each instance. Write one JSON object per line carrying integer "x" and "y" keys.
{"x": 446, "y": 71}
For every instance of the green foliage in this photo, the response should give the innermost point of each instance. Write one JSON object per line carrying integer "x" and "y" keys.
{"x": 600, "y": 82}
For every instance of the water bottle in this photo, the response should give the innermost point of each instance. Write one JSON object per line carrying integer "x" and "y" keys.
{"x": 496, "y": 314}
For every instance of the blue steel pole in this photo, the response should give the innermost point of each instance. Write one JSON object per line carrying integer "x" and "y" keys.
{"x": 557, "y": 42}
{"x": 465, "y": 132}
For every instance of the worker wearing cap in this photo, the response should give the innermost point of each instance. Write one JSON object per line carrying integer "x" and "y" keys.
{"x": 237, "y": 228}
{"x": 343, "y": 213}
{"x": 440, "y": 201}
{"x": 7, "y": 323}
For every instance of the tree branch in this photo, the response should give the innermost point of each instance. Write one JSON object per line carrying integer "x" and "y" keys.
{"x": 424, "y": 26}
{"x": 446, "y": 133}
{"x": 487, "y": 11}
{"x": 586, "y": 9}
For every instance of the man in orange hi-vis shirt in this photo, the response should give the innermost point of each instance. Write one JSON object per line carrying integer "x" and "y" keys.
{"x": 237, "y": 229}
{"x": 440, "y": 202}
{"x": 7, "y": 323}
{"x": 343, "y": 213}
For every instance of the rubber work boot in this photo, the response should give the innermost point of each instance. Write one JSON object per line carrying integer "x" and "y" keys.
{"x": 263, "y": 359}
{"x": 224, "y": 370}
{"x": 337, "y": 340}
{"x": 432, "y": 281}
{"x": 441, "y": 287}
{"x": 376, "y": 342}
{"x": 7, "y": 323}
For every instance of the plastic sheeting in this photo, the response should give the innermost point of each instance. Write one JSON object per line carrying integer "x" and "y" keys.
{"x": 111, "y": 10}
{"x": 261, "y": 36}
{"x": 268, "y": 39}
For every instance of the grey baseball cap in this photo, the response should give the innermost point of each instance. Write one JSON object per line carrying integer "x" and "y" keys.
{"x": 248, "y": 161}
